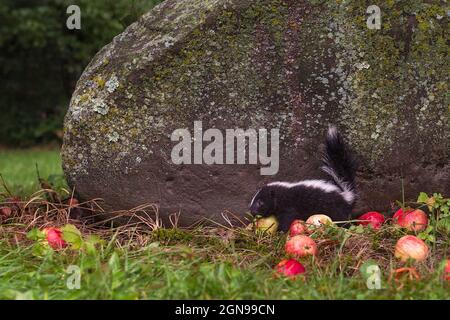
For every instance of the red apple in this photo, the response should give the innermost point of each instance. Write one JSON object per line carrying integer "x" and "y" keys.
{"x": 399, "y": 213}
{"x": 447, "y": 270}
{"x": 411, "y": 247}
{"x": 413, "y": 220}
{"x": 54, "y": 238}
{"x": 373, "y": 218}
{"x": 297, "y": 227}
{"x": 300, "y": 246}
{"x": 5, "y": 212}
{"x": 290, "y": 268}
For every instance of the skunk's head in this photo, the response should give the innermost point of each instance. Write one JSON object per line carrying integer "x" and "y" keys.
{"x": 264, "y": 202}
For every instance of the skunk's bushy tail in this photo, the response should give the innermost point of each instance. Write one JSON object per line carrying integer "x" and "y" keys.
{"x": 339, "y": 162}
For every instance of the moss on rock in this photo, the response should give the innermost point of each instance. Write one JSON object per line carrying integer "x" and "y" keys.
{"x": 293, "y": 65}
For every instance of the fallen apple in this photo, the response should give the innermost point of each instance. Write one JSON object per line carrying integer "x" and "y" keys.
{"x": 447, "y": 270}
{"x": 269, "y": 224}
{"x": 54, "y": 238}
{"x": 297, "y": 227}
{"x": 316, "y": 221}
{"x": 411, "y": 247}
{"x": 12, "y": 205}
{"x": 373, "y": 218}
{"x": 399, "y": 213}
{"x": 301, "y": 246}
{"x": 290, "y": 268}
{"x": 5, "y": 212}
{"x": 412, "y": 220}
{"x": 72, "y": 202}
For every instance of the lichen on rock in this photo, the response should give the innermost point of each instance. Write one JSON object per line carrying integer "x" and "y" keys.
{"x": 293, "y": 65}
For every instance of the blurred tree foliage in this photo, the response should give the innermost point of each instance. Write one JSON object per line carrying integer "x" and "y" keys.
{"x": 41, "y": 60}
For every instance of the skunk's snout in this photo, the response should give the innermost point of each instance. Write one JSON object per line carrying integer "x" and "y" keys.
{"x": 259, "y": 207}
{"x": 253, "y": 208}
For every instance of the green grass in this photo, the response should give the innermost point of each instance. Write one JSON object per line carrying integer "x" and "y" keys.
{"x": 195, "y": 264}
{"x": 182, "y": 271}
{"x": 18, "y": 168}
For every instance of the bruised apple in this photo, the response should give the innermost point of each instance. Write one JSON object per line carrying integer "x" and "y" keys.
{"x": 54, "y": 238}
{"x": 290, "y": 268}
{"x": 373, "y": 218}
{"x": 413, "y": 220}
{"x": 269, "y": 224}
{"x": 297, "y": 227}
{"x": 317, "y": 220}
{"x": 411, "y": 247}
{"x": 301, "y": 246}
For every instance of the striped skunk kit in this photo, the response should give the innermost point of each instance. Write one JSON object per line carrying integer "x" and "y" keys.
{"x": 335, "y": 196}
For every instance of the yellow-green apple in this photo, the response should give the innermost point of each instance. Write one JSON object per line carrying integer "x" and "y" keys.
{"x": 269, "y": 224}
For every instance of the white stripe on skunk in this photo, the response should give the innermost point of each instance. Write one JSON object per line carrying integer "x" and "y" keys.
{"x": 323, "y": 185}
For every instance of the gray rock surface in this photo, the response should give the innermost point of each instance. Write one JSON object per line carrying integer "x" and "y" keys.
{"x": 293, "y": 65}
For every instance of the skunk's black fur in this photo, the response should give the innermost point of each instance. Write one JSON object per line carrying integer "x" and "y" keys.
{"x": 334, "y": 197}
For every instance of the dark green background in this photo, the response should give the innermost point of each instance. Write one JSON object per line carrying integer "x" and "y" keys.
{"x": 41, "y": 60}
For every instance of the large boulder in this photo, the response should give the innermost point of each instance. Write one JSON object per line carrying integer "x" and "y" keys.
{"x": 294, "y": 65}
